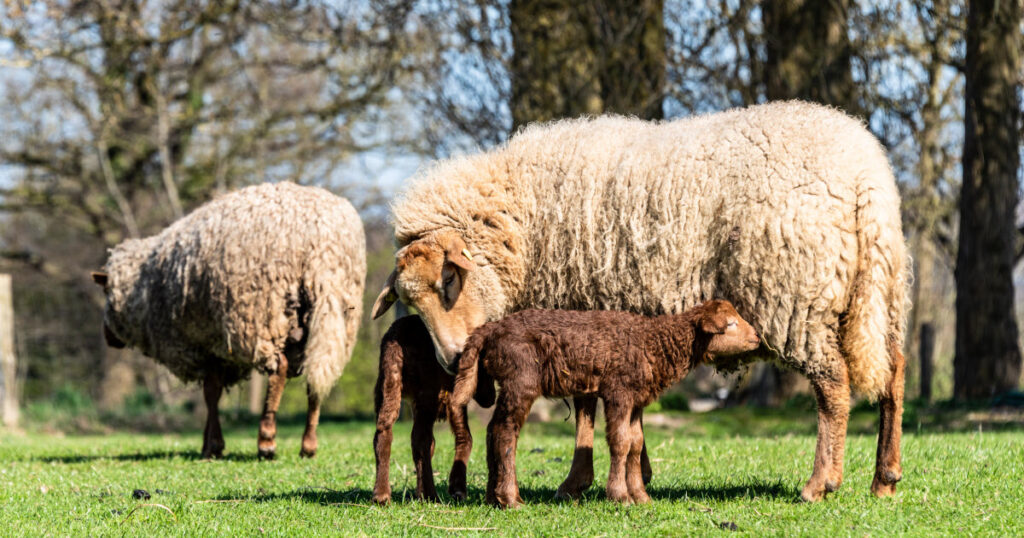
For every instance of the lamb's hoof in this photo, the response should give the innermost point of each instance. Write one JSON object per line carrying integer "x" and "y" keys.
{"x": 832, "y": 486}
{"x": 621, "y": 497}
{"x": 267, "y": 454}
{"x": 458, "y": 494}
{"x": 382, "y": 498}
{"x": 505, "y": 501}
{"x": 571, "y": 491}
{"x": 640, "y": 497}
{"x": 307, "y": 453}
{"x": 212, "y": 454}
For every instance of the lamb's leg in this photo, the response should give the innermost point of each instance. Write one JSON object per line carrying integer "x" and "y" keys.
{"x": 463, "y": 448}
{"x": 888, "y": 470}
{"x": 634, "y": 473}
{"x": 266, "y": 447}
{"x": 645, "y": 462}
{"x": 502, "y": 437}
{"x": 382, "y": 453}
{"x": 309, "y": 443}
{"x": 213, "y": 438}
{"x": 833, "y": 397}
{"x": 620, "y": 440}
{"x": 423, "y": 414}
{"x": 581, "y": 474}
{"x": 387, "y": 402}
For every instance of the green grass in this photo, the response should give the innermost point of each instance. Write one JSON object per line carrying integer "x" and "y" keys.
{"x": 705, "y": 474}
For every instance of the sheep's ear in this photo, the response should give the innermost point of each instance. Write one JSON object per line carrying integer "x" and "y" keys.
{"x": 99, "y": 277}
{"x": 386, "y": 298}
{"x": 457, "y": 253}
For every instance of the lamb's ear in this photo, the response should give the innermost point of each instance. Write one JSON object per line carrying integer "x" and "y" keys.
{"x": 456, "y": 252}
{"x": 386, "y": 298}
{"x": 713, "y": 323}
{"x": 99, "y": 277}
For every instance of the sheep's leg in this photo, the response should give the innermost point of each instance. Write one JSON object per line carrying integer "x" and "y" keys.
{"x": 502, "y": 439}
{"x": 833, "y": 397}
{"x": 620, "y": 440}
{"x": 888, "y": 470}
{"x": 266, "y": 447}
{"x": 213, "y": 438}
{"x": 645, "y": 462}
{"x": 634, "y": 473}
{"x": 581, "y": 473}
{"x": 424, "y": 412}
{"x": 309, "y": 442}
{"x": 463, "y": 447}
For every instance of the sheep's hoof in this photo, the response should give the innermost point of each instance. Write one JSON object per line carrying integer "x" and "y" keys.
{"x": 832, "y": 486}
{"x": 640, "y": 497}
{"x": 570, "y": 491}
{"x": 382, "y": 498}
{"x": 267, "y": 454}
{"x": 809, "y": 495}
{"x": 212, "y": 454}
{"x": 307, "y": 453}
{"x": 620, "y": 497}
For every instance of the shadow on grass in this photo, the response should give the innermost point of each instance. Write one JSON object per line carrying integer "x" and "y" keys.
{"x": 191, "y": 455}
{"x": 531, "y": 495}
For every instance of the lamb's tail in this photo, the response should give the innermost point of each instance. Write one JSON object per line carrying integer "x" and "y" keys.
{"x": 331, "y": 333}
{"x": 872, "y": 330}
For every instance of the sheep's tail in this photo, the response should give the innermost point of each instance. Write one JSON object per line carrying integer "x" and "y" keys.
{"x": 872, "y": 330}
{"x": 331, "y": 332}
{"x": 467, "y": 377}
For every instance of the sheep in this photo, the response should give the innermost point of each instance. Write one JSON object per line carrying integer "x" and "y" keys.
{"x": 789, "y": 210}
{"x": 408, "y": 368}
{"x": 625, "y": 359}
{"x": 268, "y": 277}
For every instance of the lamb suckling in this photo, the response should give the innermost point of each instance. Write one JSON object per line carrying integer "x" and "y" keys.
{"x": 789, "y": 210}
{"x": 269, "y": 277}
{"x": 625, "y": 359}
{"x": 408, "y": 369}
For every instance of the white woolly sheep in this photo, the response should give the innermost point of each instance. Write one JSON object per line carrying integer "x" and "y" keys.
{"x": 268, "y": 277}
{"x": 788, "y": 210}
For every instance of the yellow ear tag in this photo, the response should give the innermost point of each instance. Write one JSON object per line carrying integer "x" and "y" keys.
{"x": 467, "y": 254}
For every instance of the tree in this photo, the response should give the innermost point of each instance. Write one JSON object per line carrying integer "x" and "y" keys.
{"x": 575, "y": 58}
{"x": 988, "y": 358}
{"x": 120, "y": 115}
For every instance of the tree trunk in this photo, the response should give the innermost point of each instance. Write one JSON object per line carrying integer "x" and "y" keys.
{"x": 575, "y": 58}
{"x": 808, "y": 52}
{"x": 8, "y": 363}
{"x": 926, "y": 352}
{"x": 988, "y": 359}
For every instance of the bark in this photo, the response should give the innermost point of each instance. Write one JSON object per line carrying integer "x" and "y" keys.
{"x": 576, "y": 58}
{"x": 988, "y": 359}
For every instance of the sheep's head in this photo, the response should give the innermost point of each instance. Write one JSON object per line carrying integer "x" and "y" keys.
{"x": 117, "y": 280}
{"x": 730, "y": 333}
{"x": 453, "y": 289}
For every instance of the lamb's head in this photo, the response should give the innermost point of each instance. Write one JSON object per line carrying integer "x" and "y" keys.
{"x": 453, "y": 290}
{"x": 730, "y": 333}
{"x": 118, "y": 280}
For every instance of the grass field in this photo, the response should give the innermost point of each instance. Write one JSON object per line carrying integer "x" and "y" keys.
{"x": 706, "y": 476}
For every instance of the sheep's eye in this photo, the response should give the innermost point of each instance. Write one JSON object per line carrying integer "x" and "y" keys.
{"x": 731, "y": 324}
{"x": 449, "y": 279}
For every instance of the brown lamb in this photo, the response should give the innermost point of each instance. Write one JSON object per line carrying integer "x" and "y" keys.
{"x": 409, "y": 369}
{"x": 625, "y": 359}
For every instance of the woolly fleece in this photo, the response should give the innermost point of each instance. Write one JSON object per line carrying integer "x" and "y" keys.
{"x": 789, "y": 210}
{"x": 226, "y": 285}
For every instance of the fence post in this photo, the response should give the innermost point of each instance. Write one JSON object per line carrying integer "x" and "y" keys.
{"x": 8, "y": 362}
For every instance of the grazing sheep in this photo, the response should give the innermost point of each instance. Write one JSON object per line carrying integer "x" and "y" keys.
{"x": 408, "y": 369}
{"x": 269, "y": 277}
{"x": 625, "y": 359}
{"x": 789, "y": 210}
